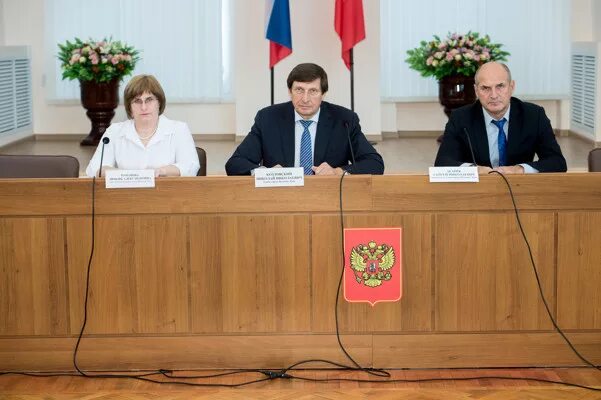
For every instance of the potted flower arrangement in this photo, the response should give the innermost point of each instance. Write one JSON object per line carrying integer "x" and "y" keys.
{"x": 453, "y": 61}
{"x": 99, "y": 66}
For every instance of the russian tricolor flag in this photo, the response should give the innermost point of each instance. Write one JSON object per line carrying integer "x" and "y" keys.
{"x": 277, "y": 30}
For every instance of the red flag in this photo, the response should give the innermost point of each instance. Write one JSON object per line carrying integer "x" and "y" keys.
{"x": 350, "y": 26}
{"x": 372, "y": 270}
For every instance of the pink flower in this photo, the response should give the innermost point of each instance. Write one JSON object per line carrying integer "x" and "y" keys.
{"x": 449, "y": 56}
{"x": 429, "y": 60}
{"x": 442, "y": 46}
{"x": 74, "y": 59}
{"x": 94, "y": 58}
{"x": 115, "y": 60}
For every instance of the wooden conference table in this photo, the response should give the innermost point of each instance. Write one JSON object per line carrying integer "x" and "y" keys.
{"x": 212, "y": 273}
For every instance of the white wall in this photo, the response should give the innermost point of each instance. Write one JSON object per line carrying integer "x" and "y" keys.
{"x": 313, "y": 40}
{"x": 24, "y": 25}
{"x": 429, "y": 116}
{"x": 2, "y": 23}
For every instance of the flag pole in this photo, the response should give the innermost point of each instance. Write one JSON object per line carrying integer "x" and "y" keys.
{"x": 352, "y": 64}
{"x": 271, "y": 69}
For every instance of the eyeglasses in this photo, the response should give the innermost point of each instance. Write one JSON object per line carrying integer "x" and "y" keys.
{"x": 147, "y": 101}
{"x": 301, "y": 92}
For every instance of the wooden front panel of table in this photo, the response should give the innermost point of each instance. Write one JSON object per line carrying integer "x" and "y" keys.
{"x": 213, "y": 273}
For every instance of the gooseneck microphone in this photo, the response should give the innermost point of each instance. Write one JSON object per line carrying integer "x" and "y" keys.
{"x": 105, "y": 141}
{"x": 469, "y": 142}
{"x": 350, "y": 144}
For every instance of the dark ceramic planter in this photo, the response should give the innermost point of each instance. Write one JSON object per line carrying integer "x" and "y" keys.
{"x": 100, "y": 100}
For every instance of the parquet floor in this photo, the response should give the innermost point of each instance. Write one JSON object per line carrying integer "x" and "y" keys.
{"x": 456, "y": 388}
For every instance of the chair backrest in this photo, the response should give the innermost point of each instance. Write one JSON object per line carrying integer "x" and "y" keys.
{"x": 202, "y": 157}
{"x": 594, "y": 160}
{"x": 30, "y": 166}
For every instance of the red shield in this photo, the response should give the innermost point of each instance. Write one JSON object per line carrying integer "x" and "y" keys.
{"x": 372, "y": 267}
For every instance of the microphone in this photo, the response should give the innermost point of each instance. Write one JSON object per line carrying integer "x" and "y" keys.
{"x": 350, "y": 144}
{"x": 469, "y": 142}
{"x": 105, "y": 141}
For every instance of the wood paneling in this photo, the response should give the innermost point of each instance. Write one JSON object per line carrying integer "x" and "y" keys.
{"x": 203, "y": 272}
{"x": 476, "y": 350}
{"x": 412, "y": 313}
{"x": 279, "y": 351}
{"x": 484, "y": 278}
{"x": 250, "y": 273}
{"x": 177, "y": 352}
{"x": 33, "y": 278}
{"x": 544, "y": 192}
{"x": 139, "y": 275}
{"x": 579, "y": 271}
{"x": 31, "y": 196}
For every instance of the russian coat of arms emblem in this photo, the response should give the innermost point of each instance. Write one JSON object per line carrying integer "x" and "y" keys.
{"x": 372, "y": 271}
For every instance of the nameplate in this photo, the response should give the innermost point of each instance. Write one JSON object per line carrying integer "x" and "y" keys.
{"x": 454, "y": 174}
{"x": 129, "y": 178}
{"x": 274, "y": 177}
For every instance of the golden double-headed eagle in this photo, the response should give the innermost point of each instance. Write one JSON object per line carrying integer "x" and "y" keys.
{"x": 372, "y": 263}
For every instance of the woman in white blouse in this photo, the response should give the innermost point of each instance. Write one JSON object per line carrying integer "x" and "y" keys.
{"x": 148, "y": 139}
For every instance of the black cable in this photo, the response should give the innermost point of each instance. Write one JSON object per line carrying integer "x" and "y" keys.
{"x": 144, "y": 376}
{"x": 540, "y": 288}
{"x": 85, "y": 303}
{"x": 469, "y": 378}
{"x": 371, "y": 371}
{"x": 272, "y": 374}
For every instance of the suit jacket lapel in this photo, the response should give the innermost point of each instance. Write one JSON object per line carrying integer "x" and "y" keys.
{"x": 478, "y": 134}
{"x": 323, "y": 134}
{"x": 286, "y": 127}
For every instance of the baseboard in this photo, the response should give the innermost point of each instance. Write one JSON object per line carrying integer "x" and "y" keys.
{"x": 374, "y": 137}
{"x": 398, "y": 350}
{"x": 214, "y": 137}
{"x": 49, "y": 137}
{"x": 419, "y": 134}
{"x": 15, "y": 138}
{"x": 583, "y": 137}
{"x": 204, "y": 137}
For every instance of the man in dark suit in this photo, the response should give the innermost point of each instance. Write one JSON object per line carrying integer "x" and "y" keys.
{"x": 306, "y": 132}
{"x": 505, "y": 133}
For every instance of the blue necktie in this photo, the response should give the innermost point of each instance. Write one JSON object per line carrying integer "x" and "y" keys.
{"x": 306, "y": 154}
{"x": 502, "y": 142}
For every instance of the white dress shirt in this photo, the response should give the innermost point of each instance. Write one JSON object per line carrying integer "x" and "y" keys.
{"x": 492, "y": 131}
{"x": 298, "y": 134}
{"x": 172, "y": 144}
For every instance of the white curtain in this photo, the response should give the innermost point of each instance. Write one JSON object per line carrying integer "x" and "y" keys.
{"x": 184, "y": 43}
{"x": 535, "y": 32}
